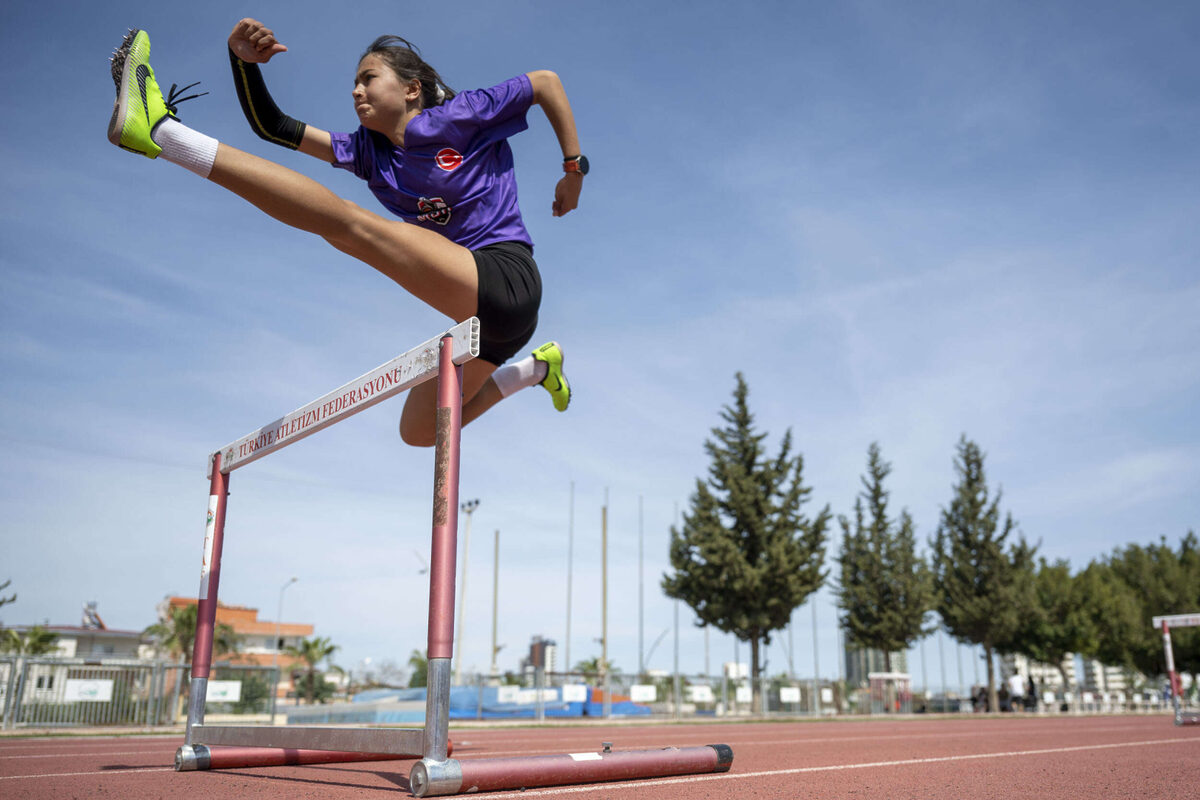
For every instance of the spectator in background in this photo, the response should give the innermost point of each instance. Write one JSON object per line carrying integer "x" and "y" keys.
{"x": 979, "y": 697}
{"x": 1016, "y": 692}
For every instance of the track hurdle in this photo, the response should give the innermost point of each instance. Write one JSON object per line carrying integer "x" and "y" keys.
{"x": 217, "y": 746}
{"x": 1166, "y": 623}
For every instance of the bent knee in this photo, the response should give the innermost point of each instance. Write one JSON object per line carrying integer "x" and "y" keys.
{"x": 416, "y": 435}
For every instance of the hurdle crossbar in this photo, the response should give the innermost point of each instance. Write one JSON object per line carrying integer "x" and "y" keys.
{"x": 1173, "y": 678}
{"x": 387, "y": 380}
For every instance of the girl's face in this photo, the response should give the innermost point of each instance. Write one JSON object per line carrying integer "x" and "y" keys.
{"x": 381, "y": 99}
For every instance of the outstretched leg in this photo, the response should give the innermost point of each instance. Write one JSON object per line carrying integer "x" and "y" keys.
{"x": 431, "y": 267}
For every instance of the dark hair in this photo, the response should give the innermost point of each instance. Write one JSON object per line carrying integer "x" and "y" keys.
{"x": 405, "y": 60}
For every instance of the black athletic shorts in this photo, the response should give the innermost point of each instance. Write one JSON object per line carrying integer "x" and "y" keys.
{"x": 510, "y": 291}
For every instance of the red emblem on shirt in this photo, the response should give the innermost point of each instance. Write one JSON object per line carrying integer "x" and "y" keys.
{"x": 449, "y": 159}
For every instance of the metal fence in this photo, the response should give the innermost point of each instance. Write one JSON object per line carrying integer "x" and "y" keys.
{"x": 76, "y": 692}
{"x": 574, "y": 694}
{"x": 621, "y": 695}
{"x": 57, "y": 692}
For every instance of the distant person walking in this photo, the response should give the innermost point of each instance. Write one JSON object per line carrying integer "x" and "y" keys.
{"x": 1016, "y": 692}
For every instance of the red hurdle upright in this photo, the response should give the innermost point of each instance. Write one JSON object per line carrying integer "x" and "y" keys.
{"x": 436, "y": 773}
{"x": 1177, "y": 621}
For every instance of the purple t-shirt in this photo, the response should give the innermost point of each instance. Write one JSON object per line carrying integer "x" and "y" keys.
{"x": 454, "y": 174}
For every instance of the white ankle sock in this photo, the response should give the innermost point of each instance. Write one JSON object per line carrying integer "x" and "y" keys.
{"x": 521, "y": 375}
{"x": 188, "y": 148}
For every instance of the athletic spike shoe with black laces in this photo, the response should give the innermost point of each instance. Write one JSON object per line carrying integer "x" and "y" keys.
{"x": 555, "y": 381}
{"x": 139, "y": 107}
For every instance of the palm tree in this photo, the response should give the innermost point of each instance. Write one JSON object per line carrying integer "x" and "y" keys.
{"x": 177, "y": 634}
{"x": 595, "y": 666}
{"x": 312, "y": 652}
{"x": 37, "y": 641}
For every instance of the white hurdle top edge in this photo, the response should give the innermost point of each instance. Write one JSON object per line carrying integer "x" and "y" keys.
{"x": 1178, "y": 620}
{"x": 398, "y": 375}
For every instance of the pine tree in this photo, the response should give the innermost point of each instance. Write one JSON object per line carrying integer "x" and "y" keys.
{"x": 1060, "y": 622}
{"x": 745, "y": 556}
{"x": 885, "y": 588}
{"x": 984, "y": 590}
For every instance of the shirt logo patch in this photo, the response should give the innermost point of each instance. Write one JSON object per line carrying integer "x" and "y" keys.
{"x": 449, "y": 159}
{"x": 433, "y": 209}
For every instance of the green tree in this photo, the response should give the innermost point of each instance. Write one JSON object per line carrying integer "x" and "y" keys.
{"x": 314, "y": 687}
{"x": 745, "y": 557}
{"x": 12, "y": 598}
{"x": 37, "y": 641}
{"x": 885, "y": 588}
{"x": 256, "y": 694}
{"x": 312, "y": 652}
{"x": 1060, "y": 622}
{"x": 983, "y": 589}
{"x": 177, "y": 634}
{"x": 1140, "y": 582}
{"x": 419, "y": 665}
{"x": 596, "y": 666}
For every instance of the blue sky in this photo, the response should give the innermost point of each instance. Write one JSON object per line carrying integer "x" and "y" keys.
{"x": 901, "y": 222}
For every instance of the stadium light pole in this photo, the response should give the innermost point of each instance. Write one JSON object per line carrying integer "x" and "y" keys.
{"x": 816, "y": 661}
{"x": 468, "y": 508}
{"x": 604, "y": 605}
{"x": 958, "y": 653}
{"x": 570, "y": 562}
{"x": 495, "y": 598}
{"x": 942, "y": 665}
{"x": 641, "y": 598}
{"x": 278, "y": 619}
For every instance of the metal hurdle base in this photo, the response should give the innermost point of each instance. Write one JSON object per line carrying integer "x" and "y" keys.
{"x": 201, "y": 757}
{"x": 228, "y": 746}
{"x": 452, "y": 776}
{"x": 1188, "y": 718}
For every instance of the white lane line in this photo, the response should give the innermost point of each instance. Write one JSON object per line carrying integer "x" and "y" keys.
{"x": 682, "y": 742}
{"x": 76, "y": 774}
{"x": 690, "y": 738}
{"x": 549, "y": 791}
{"x": 45, "y": 746}
{"x": 89, "y": 754}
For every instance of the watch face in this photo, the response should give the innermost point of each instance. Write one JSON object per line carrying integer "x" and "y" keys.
{"x": 578, "y": 164}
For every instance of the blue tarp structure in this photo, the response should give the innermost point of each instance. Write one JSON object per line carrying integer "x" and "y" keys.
{"x": 471, "y": 702}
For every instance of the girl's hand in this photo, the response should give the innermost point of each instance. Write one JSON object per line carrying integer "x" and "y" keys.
{"x": 253, "y": 42}
{"x": 566, "y": 194}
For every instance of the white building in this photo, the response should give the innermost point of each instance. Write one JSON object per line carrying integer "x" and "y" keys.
{"x": 1046, "y": 676}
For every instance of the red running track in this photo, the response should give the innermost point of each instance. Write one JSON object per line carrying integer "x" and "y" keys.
{"x": 1048, "y": 758}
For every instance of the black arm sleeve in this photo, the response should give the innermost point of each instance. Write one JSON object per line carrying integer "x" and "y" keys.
{"x": 264, "y": 116}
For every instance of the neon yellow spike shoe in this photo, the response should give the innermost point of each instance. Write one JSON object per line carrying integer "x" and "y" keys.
{"x": 139, "y": 106}
{"x": 555, "y": 382}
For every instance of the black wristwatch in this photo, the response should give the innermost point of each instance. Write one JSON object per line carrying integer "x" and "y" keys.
{"x": 577, "y": 164}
